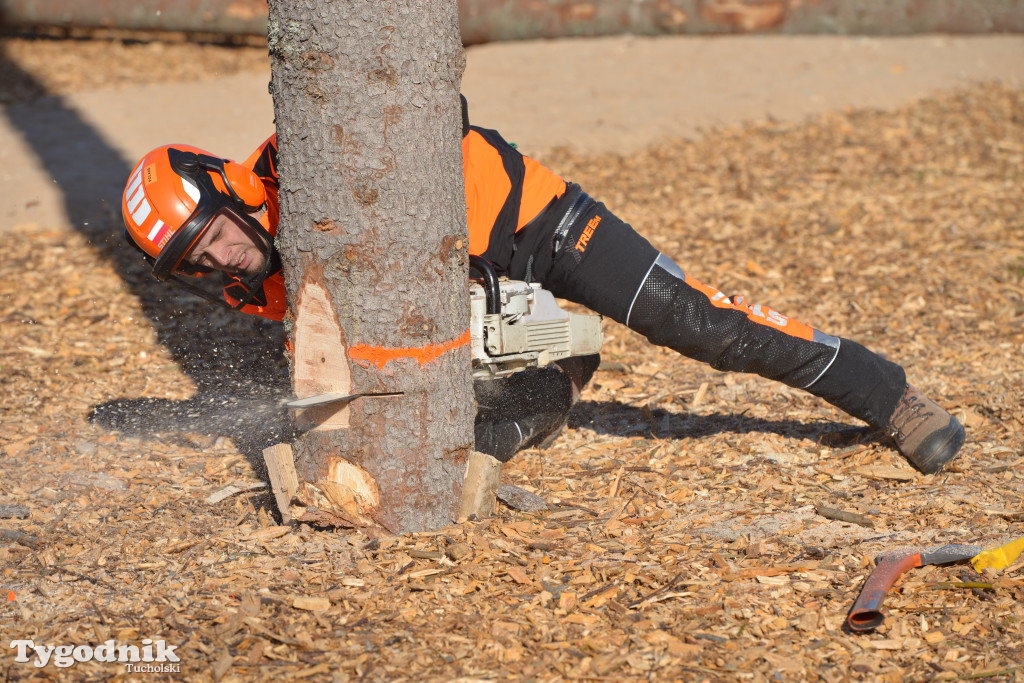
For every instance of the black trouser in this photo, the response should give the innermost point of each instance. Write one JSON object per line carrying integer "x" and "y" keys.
{"x": 529, "y": 407}
{"x": 580, "y": 251}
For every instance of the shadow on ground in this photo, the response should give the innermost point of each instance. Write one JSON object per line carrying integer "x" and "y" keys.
{"x": 255, "y": 422}
{"x": 235, "y": 362}
{"x": 617, "y": 419}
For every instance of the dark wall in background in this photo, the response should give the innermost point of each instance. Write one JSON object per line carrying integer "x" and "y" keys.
{"x": 491, "y": 20}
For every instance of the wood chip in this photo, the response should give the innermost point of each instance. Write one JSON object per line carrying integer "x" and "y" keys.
{"x": 480, "y": 486}
{"x": 777, "y": 580}
{"x": 14, "y": 512}
{"x": 521, "y": 499}
{"x": 885, "y": 472}
{"x": 1011, "y": 515}
{"x": 270, "y": 533}
{"x": 233, "y": 489}
{"x": 312, "y": 604}
{"x": 843, "y": 516}
{"x": 21, "y": 537}
{"x": 754, "y": 572}
{"x": 518, "y": 575}
{"x": 698, "y": 398}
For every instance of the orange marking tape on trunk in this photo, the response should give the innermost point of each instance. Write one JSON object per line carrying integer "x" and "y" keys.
{"x": 381, "y": 356}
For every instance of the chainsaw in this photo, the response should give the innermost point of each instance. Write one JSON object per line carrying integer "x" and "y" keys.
{"x": 515, "y": 325}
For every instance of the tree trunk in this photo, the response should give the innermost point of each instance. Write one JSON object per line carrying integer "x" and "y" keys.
{"x": 374, "y": 243}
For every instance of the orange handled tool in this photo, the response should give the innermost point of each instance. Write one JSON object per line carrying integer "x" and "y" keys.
{"x": 866, "y": 613}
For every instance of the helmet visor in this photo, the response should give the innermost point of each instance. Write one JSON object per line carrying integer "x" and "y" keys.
{"x": 232, "y": 245}
{"x": 214, "y": 237}
{"x": 228, "y": 243}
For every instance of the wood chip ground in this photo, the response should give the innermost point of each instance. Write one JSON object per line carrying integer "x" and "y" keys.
{"x": 682, "y": 542}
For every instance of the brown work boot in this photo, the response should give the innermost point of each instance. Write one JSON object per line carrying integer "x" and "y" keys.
{"x": 926, "y": 435}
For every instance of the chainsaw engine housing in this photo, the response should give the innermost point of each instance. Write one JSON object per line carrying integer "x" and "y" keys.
{"x": 530, "y": 329}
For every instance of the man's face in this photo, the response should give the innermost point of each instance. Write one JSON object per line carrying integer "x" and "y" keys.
{"x": 227, "y": 246}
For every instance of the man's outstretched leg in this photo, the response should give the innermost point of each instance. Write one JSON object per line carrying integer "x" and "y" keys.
{"x": 580, "y": 251}
{"x": 674, "y": 310}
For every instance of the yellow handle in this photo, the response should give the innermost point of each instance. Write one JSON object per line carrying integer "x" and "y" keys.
{"x": 999, "y": 558}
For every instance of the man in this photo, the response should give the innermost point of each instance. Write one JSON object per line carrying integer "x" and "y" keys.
{"x": 191, "y": 213}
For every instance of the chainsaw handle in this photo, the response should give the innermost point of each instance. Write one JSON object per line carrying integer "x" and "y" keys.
{"x": 866, "y": 613}
{"x": 492, "y": 290}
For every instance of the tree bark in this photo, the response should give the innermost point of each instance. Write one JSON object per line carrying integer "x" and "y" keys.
{"x": 374, "y": 244}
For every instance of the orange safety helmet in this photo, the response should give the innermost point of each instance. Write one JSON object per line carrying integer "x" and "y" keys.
{"x": 171, "y": 197}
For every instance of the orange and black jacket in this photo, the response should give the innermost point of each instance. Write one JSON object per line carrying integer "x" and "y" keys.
{"x": 504, "y": 191}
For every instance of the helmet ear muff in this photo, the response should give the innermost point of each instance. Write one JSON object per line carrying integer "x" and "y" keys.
{"x": 242, "y": 185}
{"x": 245, "y": 187}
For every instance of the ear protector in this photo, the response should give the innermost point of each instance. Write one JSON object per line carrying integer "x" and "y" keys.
{"x": 244, "y": 186}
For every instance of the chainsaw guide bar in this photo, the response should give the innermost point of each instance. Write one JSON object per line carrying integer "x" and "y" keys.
{"x": 331, "y": 397}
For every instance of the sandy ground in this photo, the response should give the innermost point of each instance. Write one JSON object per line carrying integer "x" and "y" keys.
{"x": 881, "y": 201}
{"x": 63, "y": 159}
